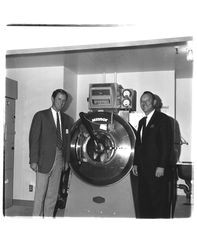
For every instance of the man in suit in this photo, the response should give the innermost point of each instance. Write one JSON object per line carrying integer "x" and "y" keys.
{"x": 152, "y": 160}
{"x": 48, "y": 149}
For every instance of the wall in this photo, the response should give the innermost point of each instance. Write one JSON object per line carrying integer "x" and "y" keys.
{"x": 35, "y": 86}
{"x": 184, "y": 115}
{"x": 70, "y": 85}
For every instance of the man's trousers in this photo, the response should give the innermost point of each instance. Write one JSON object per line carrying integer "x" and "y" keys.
{"x": 47, "y": 186}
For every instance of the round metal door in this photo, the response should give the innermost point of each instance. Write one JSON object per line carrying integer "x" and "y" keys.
{"x": 101, "y": 148}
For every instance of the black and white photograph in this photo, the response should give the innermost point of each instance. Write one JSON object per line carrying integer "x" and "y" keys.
{"x": 98, "y": 127}
{"x": 76, "y": 141}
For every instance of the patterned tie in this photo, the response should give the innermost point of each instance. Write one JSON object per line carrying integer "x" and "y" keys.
{"x": 59, "y": 138}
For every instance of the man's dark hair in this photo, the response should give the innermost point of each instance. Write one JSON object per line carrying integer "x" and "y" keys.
{"x": 61, "y": 91}
{"x": 149, "y": 93}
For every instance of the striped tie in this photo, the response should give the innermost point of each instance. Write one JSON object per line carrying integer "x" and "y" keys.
{"x": 59, "y": 138}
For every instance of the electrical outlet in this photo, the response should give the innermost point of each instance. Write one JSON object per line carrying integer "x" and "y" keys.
{"x": 30, "y": 188}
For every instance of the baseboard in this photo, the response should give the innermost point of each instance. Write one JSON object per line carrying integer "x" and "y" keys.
{"x": 23, "y": 203}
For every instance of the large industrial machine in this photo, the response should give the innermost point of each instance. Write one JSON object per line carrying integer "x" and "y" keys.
{"x": 101, "y": 155}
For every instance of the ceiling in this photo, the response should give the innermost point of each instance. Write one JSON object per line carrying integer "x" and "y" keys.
{"x": 162, "y": 57}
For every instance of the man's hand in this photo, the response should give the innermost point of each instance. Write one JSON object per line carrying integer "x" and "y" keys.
{"x": 134, "y": 170}
{"x": 34, "y": 166}
{"x": 159, "y": 172}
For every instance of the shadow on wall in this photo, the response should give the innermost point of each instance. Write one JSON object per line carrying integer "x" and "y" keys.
{"x": 68, "y": 102}
{"x": 176, "y": 151}
{"x": 67, "y": 105}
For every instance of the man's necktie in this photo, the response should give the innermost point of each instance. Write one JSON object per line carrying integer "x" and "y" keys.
{"x": 59, "y": 138}
{"x": 144, "y": 127}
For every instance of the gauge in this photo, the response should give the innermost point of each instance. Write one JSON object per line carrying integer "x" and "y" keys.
{"x": 126, "y": 102}
{"x": 126, "y": 92}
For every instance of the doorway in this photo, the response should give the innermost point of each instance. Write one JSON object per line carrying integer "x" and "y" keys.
{"x": 9, "y": 135}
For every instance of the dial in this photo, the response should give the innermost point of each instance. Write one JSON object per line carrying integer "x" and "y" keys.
{"x": 126, "y": 103}
{"x": 126, "y": 92}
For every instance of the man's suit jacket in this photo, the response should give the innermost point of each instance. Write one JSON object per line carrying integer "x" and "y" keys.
{"x": 154, "y": 150}
{"x": 42, "y": 139}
